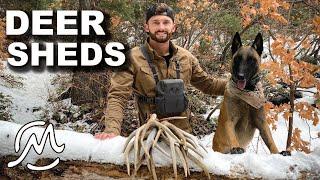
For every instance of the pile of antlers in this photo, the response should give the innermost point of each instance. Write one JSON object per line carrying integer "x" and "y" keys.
{"x": 147, "y": 137}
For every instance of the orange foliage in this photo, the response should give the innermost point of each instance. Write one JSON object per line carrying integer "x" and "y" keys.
{"x": 116, "y": 21}
{"x": 286, "y": 65}
{"x": 316, "y": 23}
{"x": 193, "y": 17}
{"x": 308, "y": 112}
{"x": 302, "y": 72}
{"x": 188, "y": 14}
{"x": 272, "y": 115}
{"x": 283, "y": 49}
{"x": 275, "y": 72}
{"x": 264, "y": 8}
{"x": 298, "y": 143}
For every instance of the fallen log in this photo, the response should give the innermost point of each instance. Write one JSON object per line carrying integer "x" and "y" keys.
{"x": 83, "y": 152}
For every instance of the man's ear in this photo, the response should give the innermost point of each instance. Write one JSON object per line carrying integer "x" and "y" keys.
{"x": 258, "y": 44}
{"x": 236, "y": 43}
{"x": 174, "y": 27}
{"x": 146, "y": 27}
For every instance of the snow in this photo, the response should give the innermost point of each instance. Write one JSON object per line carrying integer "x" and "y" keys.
{"x": 78, "y": 146}
{"x": 83, "y": 146}
{"x": 263, "y": 166}
{"x": 257, "y": 162}
{"x": 33, "y": 94}
{"x": 308, "y": 131}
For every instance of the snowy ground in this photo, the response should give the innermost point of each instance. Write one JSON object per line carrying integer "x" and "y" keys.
{"x": 308, "y": 131}
{"x": 256, "y": 162}
{"x": 33, "y": 94}
{"x": 81, "y": 146}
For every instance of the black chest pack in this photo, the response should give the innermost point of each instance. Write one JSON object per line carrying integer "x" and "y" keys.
{"x": 170, "y": 99}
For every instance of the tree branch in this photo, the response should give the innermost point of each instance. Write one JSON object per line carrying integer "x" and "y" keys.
{"x": 269, "y": 45}
{"x": 304, "y": 38}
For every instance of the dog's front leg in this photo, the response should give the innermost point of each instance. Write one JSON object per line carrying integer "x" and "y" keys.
{"x": 225, "y": 138}
{"x": 233, "y": 116}
{"x": 234, "y": 146}
{"x": 231, "y": 134}
{"x": 261, "y": 123}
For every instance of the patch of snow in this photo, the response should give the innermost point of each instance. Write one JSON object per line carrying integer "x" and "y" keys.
{"x": 82, "y": 146}
{"x": 257, "y": 162}
{"x": 309, "y": 132}
{"x": 307, "y": 95}
{"x": 32, "y": 95}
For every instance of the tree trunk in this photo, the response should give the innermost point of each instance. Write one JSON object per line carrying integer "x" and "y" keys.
{"x": 292, "y": 92}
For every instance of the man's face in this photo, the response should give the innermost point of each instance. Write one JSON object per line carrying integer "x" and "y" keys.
{"x": 160, "y": 28}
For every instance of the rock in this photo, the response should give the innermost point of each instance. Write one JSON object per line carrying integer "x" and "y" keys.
{"x": 35, "y": 109}
{"x": 280, "y": 94}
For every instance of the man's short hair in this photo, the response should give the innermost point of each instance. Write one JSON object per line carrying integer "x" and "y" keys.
{"x": 159, "y": 9}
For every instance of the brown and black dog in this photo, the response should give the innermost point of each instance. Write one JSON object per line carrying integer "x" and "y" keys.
{"x": 242, "y": 110}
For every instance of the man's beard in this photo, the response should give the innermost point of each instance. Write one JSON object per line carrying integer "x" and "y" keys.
{"x": 162, "y": 39}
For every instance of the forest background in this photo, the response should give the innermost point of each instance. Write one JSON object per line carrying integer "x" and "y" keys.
{"x": 291, "y": 30}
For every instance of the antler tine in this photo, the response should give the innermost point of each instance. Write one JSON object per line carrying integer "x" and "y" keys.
{"x": 172, "y": 118}
{"x": 178, "y": 141}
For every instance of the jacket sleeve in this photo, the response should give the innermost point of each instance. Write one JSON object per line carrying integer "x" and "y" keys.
{"x": 202, "y": 81}
{"x": 119, "y": 92}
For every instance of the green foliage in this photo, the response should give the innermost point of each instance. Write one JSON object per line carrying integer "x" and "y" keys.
{"x": 317, "y": 101}
{"x": 300, "y": 15}
{"x": 227, "y": 21}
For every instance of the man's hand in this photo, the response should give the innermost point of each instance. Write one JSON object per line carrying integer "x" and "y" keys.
{"x": 103, "y": 136}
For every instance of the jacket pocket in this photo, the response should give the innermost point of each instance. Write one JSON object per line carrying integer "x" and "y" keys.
{"x": 145, "y": 80}
{"x": 146, "y": 70}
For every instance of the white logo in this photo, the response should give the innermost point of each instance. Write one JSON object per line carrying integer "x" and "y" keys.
{"x": 38, "y": 147}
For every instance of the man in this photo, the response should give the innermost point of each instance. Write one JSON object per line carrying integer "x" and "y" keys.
{"x": 141, "y": 78}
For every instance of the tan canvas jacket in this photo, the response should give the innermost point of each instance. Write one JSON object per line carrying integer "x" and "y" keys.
{"x": 138, "y": 77}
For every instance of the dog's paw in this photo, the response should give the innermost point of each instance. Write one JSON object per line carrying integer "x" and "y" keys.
{"x": 285, "y": 153}
{"x": 237, "y": 150}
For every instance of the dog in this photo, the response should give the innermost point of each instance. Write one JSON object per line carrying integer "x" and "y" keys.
{"x": 242, "y": 109}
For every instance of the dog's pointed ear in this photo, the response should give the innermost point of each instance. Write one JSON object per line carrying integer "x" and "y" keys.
{"x": 236, "y": 43}
{"x": 258, "y": 44}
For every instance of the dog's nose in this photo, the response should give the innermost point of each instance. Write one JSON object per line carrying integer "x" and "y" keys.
{"x": 241, "y": 76}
